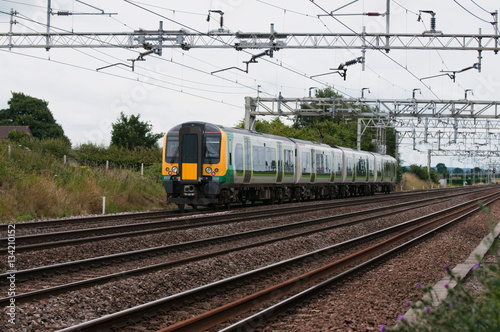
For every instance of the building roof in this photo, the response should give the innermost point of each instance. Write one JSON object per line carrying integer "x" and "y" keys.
{"x": 5, "y": 130}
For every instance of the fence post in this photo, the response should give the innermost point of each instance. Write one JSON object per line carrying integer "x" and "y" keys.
{"x": 8, "y": 152}
{"x": 107, "y": 164}
{"x": 64, "y": 159}
{"x": 103, "y": 204}
{"x": 142, "y": 169}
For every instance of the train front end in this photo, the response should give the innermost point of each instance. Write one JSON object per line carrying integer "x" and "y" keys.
{"x": 194, "y": 164}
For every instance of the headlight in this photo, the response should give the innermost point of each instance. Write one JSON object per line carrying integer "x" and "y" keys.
{"x": 175, "y": 169}
{"x": 167, "y": 169}
{"x": 208, "y": 170}
{"x": 216, "y": 170}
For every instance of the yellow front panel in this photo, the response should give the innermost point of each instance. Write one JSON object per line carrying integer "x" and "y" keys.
{"x": 189, "y": 172}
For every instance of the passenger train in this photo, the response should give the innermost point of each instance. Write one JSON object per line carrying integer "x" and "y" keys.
{"x": 209, "y": 165}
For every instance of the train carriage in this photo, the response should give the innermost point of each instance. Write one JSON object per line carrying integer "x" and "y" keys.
{"x": 205, "y": 164}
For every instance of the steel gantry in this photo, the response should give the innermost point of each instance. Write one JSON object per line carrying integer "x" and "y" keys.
{"x": 445, "y": 123}
{"x": 159, "y": 39}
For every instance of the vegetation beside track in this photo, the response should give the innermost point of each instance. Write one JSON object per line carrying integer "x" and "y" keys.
{"x": 36, "y": 183}
{"x": 467, "y": 308}
{"x": 411, "y": 181}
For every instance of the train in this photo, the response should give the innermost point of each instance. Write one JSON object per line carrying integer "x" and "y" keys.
{"x": 210, "y": 165}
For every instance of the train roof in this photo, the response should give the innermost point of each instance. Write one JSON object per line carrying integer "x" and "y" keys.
{"x": 209, "y": 127}
{"x": 254, "y": 133}
{"x": 204, "y": 126}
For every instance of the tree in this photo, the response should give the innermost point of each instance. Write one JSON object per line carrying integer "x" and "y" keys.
{"x": 129, "y": 132}
{"x": 33, "y": 112}
{"x": 443, "y": 170}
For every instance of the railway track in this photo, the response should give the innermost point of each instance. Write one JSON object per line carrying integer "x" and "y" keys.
{"x": 149, "y": 223}
{"x": 252, "y": 238}
{"x": 283, "y": 284}
{"x": 241, "y": 241}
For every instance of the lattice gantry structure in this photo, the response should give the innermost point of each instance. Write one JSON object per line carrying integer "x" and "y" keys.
{"x": 464, "y": 128}
{"x": 159, "y": 39}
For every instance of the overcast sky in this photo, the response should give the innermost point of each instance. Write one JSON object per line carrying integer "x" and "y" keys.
{"x": 178, "y": 86}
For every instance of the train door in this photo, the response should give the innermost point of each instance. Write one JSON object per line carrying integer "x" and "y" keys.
{"x": 279, "y": 178}
{"x": 248, "y": 160}
{"x": 313, "y": 165}
{"x": 190, "y": 139}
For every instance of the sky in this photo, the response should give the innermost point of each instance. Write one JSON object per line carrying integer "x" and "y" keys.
{"x": 178, "y": 86}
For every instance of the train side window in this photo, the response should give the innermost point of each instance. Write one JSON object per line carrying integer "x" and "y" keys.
{"x": 259, "y": 161}
{"x": 289, "y": 162}
{"x": 306, "y": 163}
{"x": 348, "y": 161}
{"x": 337, "y": 164}
{"x": 172, "y": 150}
{"x": 361, "y": 167}
{"x": 238, "y": 157}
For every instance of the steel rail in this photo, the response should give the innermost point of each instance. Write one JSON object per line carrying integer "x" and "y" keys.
{"x": 119, "y": 319}
{"x": 22, "y": 275}
{"x": 71, "y": 237}
{"x": 221, "y": 314}
{"x": 22, "y": 297}
{"x": 157, "y": 214}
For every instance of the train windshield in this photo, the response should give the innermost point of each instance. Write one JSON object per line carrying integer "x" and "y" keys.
{"x": 211, "y": 154}
{"x": 172, "y": 150}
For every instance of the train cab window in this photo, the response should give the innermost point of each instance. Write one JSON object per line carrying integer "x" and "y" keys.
{"x": 190, "y": 148}
{"x": 172, "y": 149}
{"x": 211, "y": 154}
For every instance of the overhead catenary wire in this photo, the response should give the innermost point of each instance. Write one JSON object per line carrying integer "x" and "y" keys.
{"x": 468, "y": 11}
{"x": 120, "y": 76}
{"x": 171, "y": 61}
{"x": 480, "y": 6}
{"x": 368, "y": 67}
{"x": 369, "y": 44}
{"x": 64, "y": 30}
{"x": 134, "y": 3}
{"x": 115, "y": 75}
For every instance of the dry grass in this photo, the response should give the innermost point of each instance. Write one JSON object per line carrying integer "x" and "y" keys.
{"x": 411, "y": 182}
{"x": 37, "y": 186}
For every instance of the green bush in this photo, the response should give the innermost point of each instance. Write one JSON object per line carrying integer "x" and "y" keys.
{"x": 422, "y": 173}
{"x": 18, "y": 136}
{"x": 93, "y": 155}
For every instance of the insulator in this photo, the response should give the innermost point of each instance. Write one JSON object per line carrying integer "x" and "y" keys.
{"x": 351, "y": 62}
{"x": 60, "y": 13}
{"x": 372, "y": 14}
{"x": 433, "y": 23}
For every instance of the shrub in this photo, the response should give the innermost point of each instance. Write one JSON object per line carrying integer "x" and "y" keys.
{"x": 18, "y": 136}
{"x": 92, "y": 155}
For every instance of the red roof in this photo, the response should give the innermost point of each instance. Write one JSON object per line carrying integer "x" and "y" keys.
{"x": 5, "y": 130}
